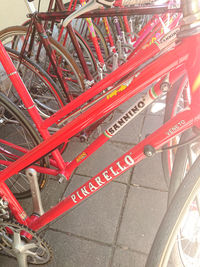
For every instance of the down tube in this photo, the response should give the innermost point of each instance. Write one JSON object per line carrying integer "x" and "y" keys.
{"x": 122, "y": 164}
{"x": 151, "y": 73}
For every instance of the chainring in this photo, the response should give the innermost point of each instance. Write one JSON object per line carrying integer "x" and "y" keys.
{"x": 17, "y": 240}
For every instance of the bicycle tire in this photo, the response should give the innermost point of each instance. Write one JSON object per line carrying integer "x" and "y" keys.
{"x": 76, "y": 85}
{"x": 183, "y": 159}
{"x": 85, "y": 47}
{"x": 173, "y": 100}
{"x": 12, "y": 116}
{"x": 88, "y": 55}
{"x": 102, "y": 42}
{"x": 169, "y": 229}
{"x": 41, "y": 87}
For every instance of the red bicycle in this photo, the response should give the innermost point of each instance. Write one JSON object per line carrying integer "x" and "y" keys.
{"x": 160, "y": 65}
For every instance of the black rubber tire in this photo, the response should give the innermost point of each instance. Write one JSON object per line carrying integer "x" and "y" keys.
{"x": 181, "y": 166}
{"x": 171, "y": 102}
{"x": 39, "y": 81}
{"x": 16, "y": 32}
{"x": 13, "y": 112}
{"x": 87, "y": 53}
{"x": 166, "y": 236}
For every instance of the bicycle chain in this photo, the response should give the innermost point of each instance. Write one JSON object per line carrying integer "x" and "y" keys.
{"x": 7, "y": 228}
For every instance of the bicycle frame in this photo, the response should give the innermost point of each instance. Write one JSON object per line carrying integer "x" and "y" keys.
{"x": 60, "y": 6}
{"x": 58, "y": 15}
{"x": 169, "y": 64}
{"x": 154, "y": 30}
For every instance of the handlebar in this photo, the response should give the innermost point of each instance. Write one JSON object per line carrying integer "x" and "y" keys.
{"x": 30, "y": 6}
{"x": 94, "y": 4}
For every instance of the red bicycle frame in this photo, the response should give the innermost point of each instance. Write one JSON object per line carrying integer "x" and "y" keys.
{"x": 170, "y": 64}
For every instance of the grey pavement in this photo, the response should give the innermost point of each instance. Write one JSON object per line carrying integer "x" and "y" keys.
{"x": 116, "y": 226}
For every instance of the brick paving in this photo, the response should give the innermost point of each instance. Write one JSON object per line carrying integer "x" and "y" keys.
{"x": 116, "y": 226}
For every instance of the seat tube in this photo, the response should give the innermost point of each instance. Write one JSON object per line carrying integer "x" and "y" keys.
{"x": 27, "y": 100}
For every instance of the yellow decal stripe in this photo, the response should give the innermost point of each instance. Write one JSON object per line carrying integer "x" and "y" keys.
{"x": 196, "y": 84}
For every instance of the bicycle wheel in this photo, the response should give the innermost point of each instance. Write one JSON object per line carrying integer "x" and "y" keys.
{"x": 15, "y": 129}
{"x": 185, "y": 157}
{"x": 179, "y": 231}
{"x": 41, "y": 87}
{"x": 87, "y": 53}
{"x": 14, "y": 37}
{"x": 100, "y": 37}
{"x": 178, "y": 98}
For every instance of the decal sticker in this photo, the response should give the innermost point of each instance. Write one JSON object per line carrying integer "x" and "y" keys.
{"x": 120, "y": 89}
{"x": 81, "y": 157}
{"x": 23, "y": 215}
{"x": 152, "y": 93}
{"x": 176, "y": 127}
{"x": 104, "y": 177}
{"x": 154, "y": 39}
{"x": 196, "y": 84}
{"x": 168, "y": 38}
{"x": 131, "y": 113}
{"x": 43, "y": 183}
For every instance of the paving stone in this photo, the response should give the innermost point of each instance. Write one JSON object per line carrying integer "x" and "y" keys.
{"x": 142, "y": 216}
{"x": 70, "y": 251}
{"x": 51, "y": 195}
{"x": 124, "y": 107}
{"x": 97, "y": 217}
{"x": 89, "y": 230}
{"x": 103, "y": 158}
{"x": 74, "y": 148}
{"x": 127, "y": 258}
{"x": 157, "y": 107}
{"x": 131, "y": 132}
{"x": 6, "y": 261}
{"x": 151, "y": 123}
{"x": 149, "y": 173}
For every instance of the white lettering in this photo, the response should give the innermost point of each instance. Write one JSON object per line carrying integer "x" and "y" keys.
{"x": 107, "y": 177}
{"x": 129, "y": 160}
{"x": 114, "y": 173}
{"x": 176, "y": 127}
{"x": 73, "y": 197}
{"x": 121, "y": 168}
{"x": 99, "y": 182}
{"x": 78, "y": 195}
{"x": 84, "y": 191}
{"x": 92, "y": 187}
